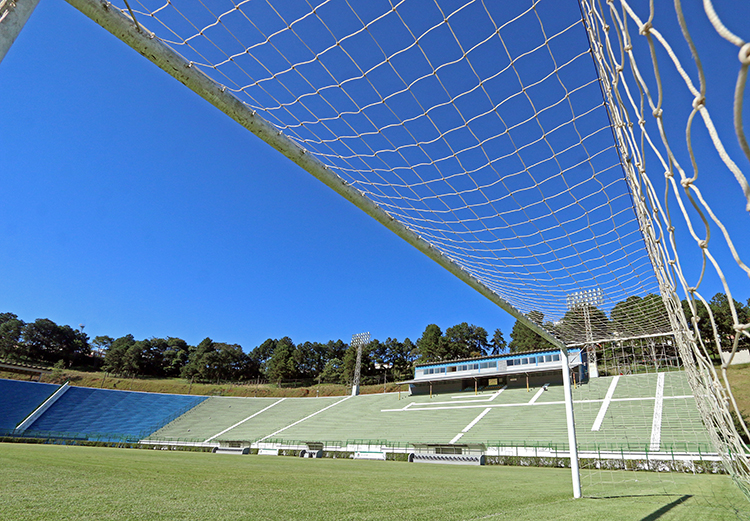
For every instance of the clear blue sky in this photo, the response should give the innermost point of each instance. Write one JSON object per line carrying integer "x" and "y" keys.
{"x": 131, "y": 205}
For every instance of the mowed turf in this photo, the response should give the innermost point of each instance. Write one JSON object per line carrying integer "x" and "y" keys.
{"x": 59, "y": 482}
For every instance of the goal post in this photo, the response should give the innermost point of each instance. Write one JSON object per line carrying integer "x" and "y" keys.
{"x": 145, "y": 42}
{"x": 13, "y": 16}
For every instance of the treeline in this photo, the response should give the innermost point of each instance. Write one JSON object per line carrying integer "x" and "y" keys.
{"x": 276, "y": 360}
{"x": 43, "y": 342}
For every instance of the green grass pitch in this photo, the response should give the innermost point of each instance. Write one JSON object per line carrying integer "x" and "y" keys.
{"x": 68, "y": 482}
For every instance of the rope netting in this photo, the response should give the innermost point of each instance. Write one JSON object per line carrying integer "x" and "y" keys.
{"x": 534, "y": 144}
{"x": 479, "y": 126}
{"x": 632, "y": 56}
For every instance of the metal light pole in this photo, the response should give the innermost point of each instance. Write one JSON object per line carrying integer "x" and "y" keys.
{"x": 585, "y": 300}
{"x": 358, "y": 341}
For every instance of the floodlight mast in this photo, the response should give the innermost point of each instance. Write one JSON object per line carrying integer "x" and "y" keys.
{"x": 358, "y": 341}
{"x": 147, "y": 44}
{"x": 583, "y": 300}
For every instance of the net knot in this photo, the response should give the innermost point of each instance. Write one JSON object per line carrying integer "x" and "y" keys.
{"x": 686, "y": 183}
{"x": 658, "y": 113}
{"x": 699, "y": 101}
{"x": 627, "y": 48}
{"x": 703, "y": 244}
{"x": 745, "y": 54}
{"x": 645, "y": 29}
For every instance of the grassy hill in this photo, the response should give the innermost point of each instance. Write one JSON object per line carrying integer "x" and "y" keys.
{"x": 182, "y": 386}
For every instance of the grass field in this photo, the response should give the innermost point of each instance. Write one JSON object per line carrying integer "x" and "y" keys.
{"x": 67, "y": 482}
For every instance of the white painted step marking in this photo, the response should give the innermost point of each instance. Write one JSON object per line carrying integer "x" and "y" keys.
{"x": 468, "y": 427}
{"x": 305, "y": 418}
{"x": 243, "y": 421}
{"x": 658, "y": 408}
{"x": 605, "y": 404}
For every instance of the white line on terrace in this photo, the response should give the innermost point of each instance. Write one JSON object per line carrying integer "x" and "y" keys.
{"x": 658, "y": 408}
{"x": 498, "y": 393}
{"x": 305, "y": 418}
{"x": 525, "y": 404}
{"x": 456, "y": 438}
{"x": 243, "y": 421}
{"x": 476, "y": 420}
{"x": 538, "y": 394}
{"x": 605, "y": 404}
{"x": 468, "y": 427}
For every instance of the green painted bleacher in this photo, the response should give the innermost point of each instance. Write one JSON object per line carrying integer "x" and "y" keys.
{"x": 361, "y": 417}
{"x": 278, "y": 417}
{"x": 211, "y": 417}
{"x": 510, "y": 420}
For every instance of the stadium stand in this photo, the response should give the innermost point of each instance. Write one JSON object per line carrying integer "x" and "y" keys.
{"x": 18, "y": 399}
{"x": 614, "y": 414}
{"x": 108, "y": 415}
{"x": 497, "y": 418}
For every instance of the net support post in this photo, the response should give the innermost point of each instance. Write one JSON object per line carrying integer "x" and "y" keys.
{"x": 13, "y": 16}
{"x": 570, "y": 419}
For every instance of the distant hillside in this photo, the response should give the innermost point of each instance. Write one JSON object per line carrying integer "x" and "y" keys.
{"x": 182, "y": 386}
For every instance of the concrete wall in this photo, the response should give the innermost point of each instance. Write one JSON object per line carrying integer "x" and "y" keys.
{"x": 742, "y": 356}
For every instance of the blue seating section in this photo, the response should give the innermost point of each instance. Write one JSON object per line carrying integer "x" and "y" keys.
{"x": 18, "y": 399}
{"x": 108, "y": 415}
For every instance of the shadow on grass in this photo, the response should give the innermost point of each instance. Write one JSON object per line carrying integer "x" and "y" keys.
{"x": 666, "y": 508}
{"x": 656, "y": 514}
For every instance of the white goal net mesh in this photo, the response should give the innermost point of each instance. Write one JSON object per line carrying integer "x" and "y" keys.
{"x": 481, "y": 126}
{"x": 526, "y": 141}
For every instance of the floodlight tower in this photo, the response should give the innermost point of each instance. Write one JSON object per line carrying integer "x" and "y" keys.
{"x": 585, "y": 300}
{"x": 358, "y": 341}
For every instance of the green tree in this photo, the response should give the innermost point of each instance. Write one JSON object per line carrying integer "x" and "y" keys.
{"x": 204, "y": 362}
{"x": 281, "y": 366}
{"x": 175, "y": 356}
{"x": 723, "y": 319}
{"x": 11, "y": 331}
{"x": 100, "y": 344}
{"x": 333, "y": 372}
{"x": 464, "y": 341}
{"x": 263, "y": 353}
{"x": 498, "y": 344}
{"x": 47, "y": 342}
{"x": 114, "y": 356}
{"x": 573, "y": 325}
{"x": 524, "y": 338}
{"x": 397, "y": 356}
{"x": 636, "y": 316}
{"x": 431, "y": 344}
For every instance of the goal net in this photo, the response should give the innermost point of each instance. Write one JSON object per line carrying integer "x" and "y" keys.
{"x": 545, "y": 152}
